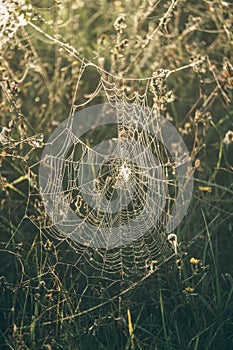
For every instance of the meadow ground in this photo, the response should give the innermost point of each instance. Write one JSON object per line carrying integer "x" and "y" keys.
{"x": 58, "y": 295}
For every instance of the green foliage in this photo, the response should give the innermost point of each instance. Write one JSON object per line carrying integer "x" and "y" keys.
{"x": 47, "y": 299}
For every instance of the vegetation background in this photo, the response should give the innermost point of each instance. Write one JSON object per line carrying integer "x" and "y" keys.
{"x": 45, "y": 301}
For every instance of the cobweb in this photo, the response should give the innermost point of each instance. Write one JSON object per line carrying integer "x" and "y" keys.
{"x": 93, "y": 211}
{"x": 115, "y": 180}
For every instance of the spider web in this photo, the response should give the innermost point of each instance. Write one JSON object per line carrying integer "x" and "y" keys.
{"x": 115, "y": 178}
{"x": 95, "y": 215}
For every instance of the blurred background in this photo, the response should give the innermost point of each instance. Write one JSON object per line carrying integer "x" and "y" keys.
{"x": 50, "y": 297}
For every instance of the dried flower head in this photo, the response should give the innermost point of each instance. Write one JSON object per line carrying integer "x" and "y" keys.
{"x": 194, "y": 261}
{"x": 119, "y": 23}
{"x": 228, "y": 138}
{"x": 13, "y": 14}
{"x": 172, "y": 238}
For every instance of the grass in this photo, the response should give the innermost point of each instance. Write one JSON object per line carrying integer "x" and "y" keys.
{"x": 53, "y": 295}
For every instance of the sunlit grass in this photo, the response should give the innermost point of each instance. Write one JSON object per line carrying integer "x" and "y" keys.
{"x": 50, "y": 298}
